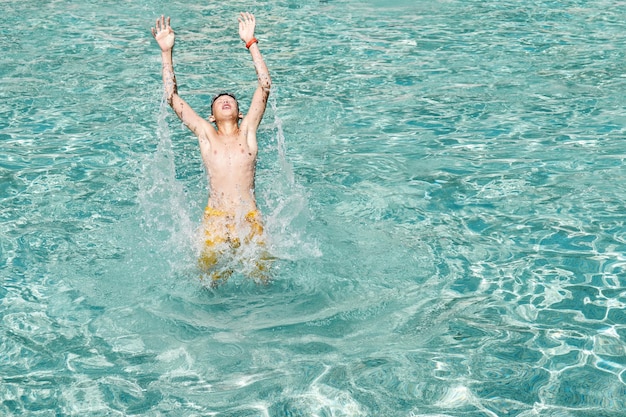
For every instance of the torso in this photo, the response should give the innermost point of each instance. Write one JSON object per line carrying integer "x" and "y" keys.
{"x": 230, "y": 164}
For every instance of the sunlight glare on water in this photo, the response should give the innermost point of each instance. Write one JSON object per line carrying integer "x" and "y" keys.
{"x": 440, "y": 184}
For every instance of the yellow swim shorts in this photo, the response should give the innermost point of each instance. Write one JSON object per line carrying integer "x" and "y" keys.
{"x": 224, "y": 227}
{"x": 223, "y": 230}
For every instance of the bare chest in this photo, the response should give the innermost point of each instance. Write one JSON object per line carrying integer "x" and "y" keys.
{"x": 232, "y": 154}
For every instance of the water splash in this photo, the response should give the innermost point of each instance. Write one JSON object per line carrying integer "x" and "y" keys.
{"x": 166, "y": 216}
{"x": 177, "y": 239}
{"x": 287, "y": 204}
{"x": 283, "y": 202}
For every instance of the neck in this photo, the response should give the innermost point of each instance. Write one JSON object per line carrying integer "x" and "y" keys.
{"x": 227, "y": 127}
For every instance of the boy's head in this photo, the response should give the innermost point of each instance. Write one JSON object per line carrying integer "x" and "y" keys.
{"x": 222, "y": 94}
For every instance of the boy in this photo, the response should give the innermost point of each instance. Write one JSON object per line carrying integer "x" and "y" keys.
{"x": 229, "y": 150}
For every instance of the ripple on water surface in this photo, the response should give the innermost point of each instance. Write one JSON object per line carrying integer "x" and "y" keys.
{"x": 437, "y": 181}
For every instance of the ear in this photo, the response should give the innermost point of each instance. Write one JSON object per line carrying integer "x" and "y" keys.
{"x": 212, "y": 119}
{"x": 240, "y": 115}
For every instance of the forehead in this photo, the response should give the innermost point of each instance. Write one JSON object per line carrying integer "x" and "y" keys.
{"x": 224, "y": 96}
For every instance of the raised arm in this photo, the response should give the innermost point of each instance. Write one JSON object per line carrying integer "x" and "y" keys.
{"x": 247, "y": 24}
{"x": 165, "y": 37}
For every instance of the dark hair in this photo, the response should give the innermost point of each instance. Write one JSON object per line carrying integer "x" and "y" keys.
{"x": 223, "y": 93}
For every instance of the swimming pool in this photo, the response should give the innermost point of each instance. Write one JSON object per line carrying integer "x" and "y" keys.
{"x": 442, "y": 183}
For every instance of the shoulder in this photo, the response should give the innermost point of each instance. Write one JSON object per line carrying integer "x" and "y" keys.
{"x": 207, "y": 129}
{"x": 206, "y": 132}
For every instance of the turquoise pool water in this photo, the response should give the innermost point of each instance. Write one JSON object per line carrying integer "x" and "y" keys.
{"x": 442, "y": 182}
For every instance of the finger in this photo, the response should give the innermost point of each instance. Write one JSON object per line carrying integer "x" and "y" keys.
{"x": 168, "y": 22}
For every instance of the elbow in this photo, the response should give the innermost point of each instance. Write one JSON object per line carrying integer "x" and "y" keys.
{"x": 265, "y": 82}
{"x": 170, "y": 93}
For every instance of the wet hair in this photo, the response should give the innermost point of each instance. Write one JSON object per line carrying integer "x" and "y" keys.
{"x": 223, "y": 93}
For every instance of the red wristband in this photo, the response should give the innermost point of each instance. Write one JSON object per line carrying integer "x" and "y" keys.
{"x": 251, "y": 42}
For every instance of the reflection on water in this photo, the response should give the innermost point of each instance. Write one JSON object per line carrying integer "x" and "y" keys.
{"x": 438, "y": 190}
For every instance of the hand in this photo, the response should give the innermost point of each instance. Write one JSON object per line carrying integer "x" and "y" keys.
{"x": 246, "y": 26}
{"x": 164, "y": 34}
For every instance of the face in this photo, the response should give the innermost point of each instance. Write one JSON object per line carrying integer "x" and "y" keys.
{"x": 225, "y": 104}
